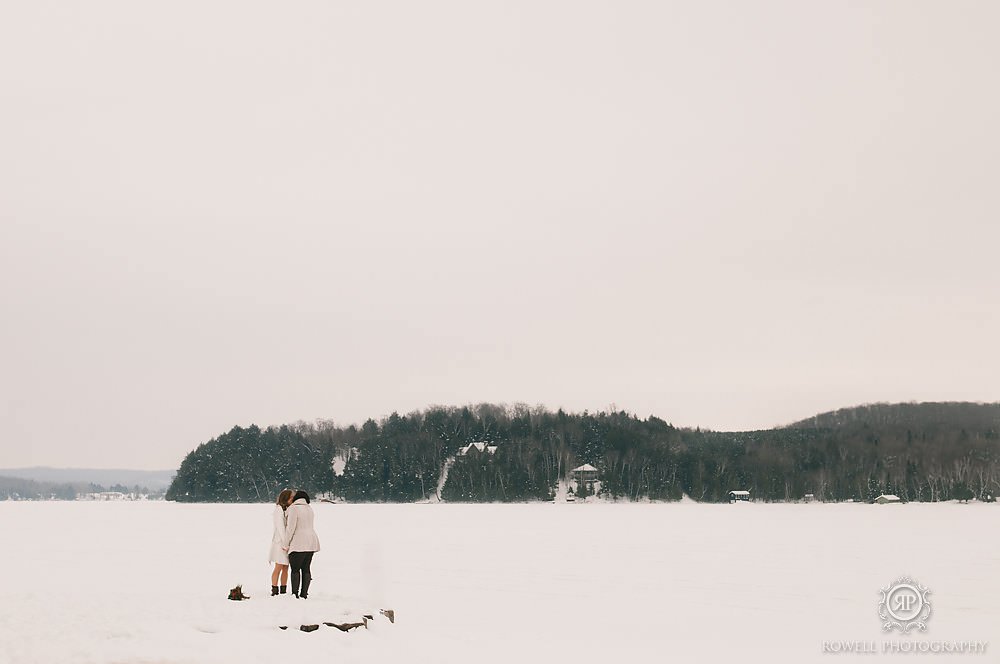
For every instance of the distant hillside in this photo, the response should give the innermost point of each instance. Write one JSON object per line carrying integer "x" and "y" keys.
{"x": 155, "y": 480}
{"x": 921, "y": 452}
{"x": 913, "y": 415}
{"x": 18, "y": 488}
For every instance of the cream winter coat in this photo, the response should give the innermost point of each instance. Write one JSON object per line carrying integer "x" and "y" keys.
{"x": 299, "y": 533}
{"x": 278, "y": 538}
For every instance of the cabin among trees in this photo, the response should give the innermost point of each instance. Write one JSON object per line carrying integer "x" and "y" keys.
{"x": 887, "y": 498}
{"x": 739, "y": 497}
{"x": 482, "y": 448}
{"x": 584, "y": 481}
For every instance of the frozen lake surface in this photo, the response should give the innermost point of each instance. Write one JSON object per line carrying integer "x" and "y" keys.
{"x": 147, "y": 582}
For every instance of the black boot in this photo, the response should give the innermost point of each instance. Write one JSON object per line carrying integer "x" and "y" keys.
{"x": 306, "y": 580}
{"x": 282, "y": 590}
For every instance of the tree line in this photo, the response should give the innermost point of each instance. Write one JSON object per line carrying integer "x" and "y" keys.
{"x": 920, "y": 452}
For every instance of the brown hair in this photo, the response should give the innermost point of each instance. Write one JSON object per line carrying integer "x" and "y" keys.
{"x": 283, "y": 498}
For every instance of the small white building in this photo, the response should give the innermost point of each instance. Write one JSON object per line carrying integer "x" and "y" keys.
{"x": 739, "y": 496}
{"x": 886, "y": 498}
{"x": 107, "y": 495}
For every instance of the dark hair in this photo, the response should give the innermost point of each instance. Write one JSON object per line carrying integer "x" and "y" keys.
{"x": 283, "y": 499}
{"x": 300, "y": 494}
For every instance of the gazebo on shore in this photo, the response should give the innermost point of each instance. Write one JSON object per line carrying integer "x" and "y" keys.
{"x": 584, "y": 473}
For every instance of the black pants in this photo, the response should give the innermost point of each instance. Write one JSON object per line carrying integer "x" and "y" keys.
{"x": 300, "y": 562}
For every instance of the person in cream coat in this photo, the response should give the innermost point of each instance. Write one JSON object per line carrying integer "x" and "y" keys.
{"x": 300, "y": 542}
{"x": 278, "y": 556}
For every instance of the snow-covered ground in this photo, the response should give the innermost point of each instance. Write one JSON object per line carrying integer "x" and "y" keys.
{"x": 147, "y": 582}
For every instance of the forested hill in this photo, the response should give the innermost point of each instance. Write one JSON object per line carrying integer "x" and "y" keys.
{"x": 921, "y": 452}
{"x": 944, "y": 415}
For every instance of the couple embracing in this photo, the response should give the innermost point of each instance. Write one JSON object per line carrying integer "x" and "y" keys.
{"x": 293, "y": 544}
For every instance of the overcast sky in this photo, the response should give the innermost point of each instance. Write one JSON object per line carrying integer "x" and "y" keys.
{"x": 728, "y": 214}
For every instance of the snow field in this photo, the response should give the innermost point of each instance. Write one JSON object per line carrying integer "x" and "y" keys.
{"x": 147, "y": 582}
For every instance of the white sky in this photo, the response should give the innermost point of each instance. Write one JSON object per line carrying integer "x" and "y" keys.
{"x": 726, "y": 214}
